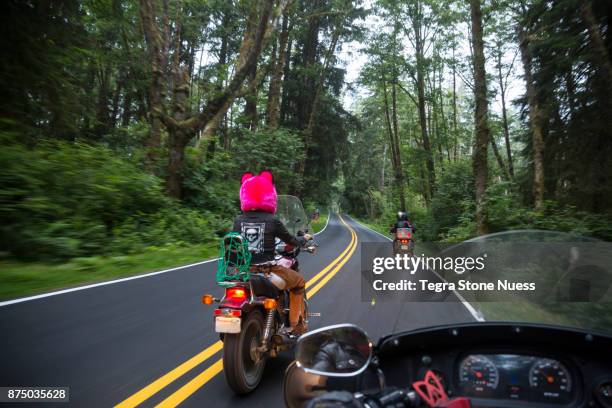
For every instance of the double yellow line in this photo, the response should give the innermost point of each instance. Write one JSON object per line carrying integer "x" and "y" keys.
{"x": 315, "y": 284}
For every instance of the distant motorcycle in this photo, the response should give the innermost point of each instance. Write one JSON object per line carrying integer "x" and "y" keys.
{"x": 404, "y": 241}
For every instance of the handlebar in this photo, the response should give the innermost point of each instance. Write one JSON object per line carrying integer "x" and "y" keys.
{"x": 394, "y": 397}
{"x": 389, "y": 397}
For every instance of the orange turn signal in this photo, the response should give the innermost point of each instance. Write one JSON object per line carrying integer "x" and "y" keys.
{"x": 207, "y": 299}
{"x": 269, "y": 304}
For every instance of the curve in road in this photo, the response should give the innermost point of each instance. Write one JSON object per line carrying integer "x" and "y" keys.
{"x": 152, "y": 338}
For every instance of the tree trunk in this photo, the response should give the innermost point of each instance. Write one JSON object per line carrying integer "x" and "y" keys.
{"x": 598, "y": 43}
{"x": 481, "y": 118}
{"x": 126, "y": 114}
{"x": 309, "y": 58}
{"x": 399, "y": 171}
{"x": 274, "y": 91}
{"x": 502, "y": 91}
{"x": 116, "y": 99}
{"x": 102, "y": 111}
{"x": 250, "y": 107}
{"x": 390, "y": 113}
{"x": 286, "y": 71}
{"x": 500, "y": 160}
{"x": 314, "y": 106}
{"x": 455, "y": 131}
{"x": 535, "y": 121}
{"x": 177, "y": 141}
{"x": 382, "y": 168}
{"x": 157, "y": 52}
{"x": 180, "y": 124}
{"x": 420, "y": 60}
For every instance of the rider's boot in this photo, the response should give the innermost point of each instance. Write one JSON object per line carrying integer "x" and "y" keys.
{"x": 297, "y": 316}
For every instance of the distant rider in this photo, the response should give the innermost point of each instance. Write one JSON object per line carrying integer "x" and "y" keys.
{"x": 402, "y": 222}
{"x": 260, "y": 227}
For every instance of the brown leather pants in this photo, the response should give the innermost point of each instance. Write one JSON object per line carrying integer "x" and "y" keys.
{"x": 296, "y": 286}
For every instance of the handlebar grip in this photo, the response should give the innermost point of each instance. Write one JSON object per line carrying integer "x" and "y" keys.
{"x": 402, "y": 396}
{"x": 392, "y": 397}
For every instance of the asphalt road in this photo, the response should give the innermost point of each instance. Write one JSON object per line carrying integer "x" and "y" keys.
{"x": 149, "y": 341}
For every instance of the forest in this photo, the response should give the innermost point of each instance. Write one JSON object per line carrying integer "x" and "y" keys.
{"x": 125, "y": 125}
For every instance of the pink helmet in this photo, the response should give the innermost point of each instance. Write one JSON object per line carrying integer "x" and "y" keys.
{"x": 258, "y": 193}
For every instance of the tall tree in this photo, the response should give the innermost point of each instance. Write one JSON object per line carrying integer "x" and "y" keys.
{"x": 535, "y": 113}
{"x": 483, "y": 133}
{"x": 180, "y": 124}
{"x": 422, "y": 27}
{"x": 276, "y": 80}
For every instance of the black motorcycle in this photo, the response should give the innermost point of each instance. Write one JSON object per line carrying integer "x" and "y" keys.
{"x": 403, "y": 243}
{"x": 252, "y": 317}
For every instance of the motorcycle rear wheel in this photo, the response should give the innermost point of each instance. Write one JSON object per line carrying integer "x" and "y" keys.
{"x": 242, "y": 365}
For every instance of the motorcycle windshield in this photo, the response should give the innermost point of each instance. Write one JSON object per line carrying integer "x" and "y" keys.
{"x": 291, "y": 213}
{"x": 533, "y": 276}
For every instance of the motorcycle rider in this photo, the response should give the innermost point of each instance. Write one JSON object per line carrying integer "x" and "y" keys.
{"x": 259, "y": 225}
{"x": 402, "y": 222}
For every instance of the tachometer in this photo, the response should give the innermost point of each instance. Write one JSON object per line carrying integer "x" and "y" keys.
{"x": 478, "y": 373}
{"x": 550, "y": 378}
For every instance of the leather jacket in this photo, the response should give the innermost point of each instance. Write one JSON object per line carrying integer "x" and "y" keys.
{"x": 260, "y": 229}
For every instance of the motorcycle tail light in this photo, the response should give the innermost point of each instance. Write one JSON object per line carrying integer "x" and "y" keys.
{"x": 217, "y": 312}
{"x": 236, "y": 293}
{"x": 404, "y": 241}
{"x": 236, "y": 313}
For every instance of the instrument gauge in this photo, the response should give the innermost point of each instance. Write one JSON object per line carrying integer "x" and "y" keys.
{"x": 478, "y": 373}
{"x": 604, "y": 394}
{"x": 550, "y": 378}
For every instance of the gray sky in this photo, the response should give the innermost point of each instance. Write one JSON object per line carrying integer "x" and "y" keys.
{"x": 353, "y": 60}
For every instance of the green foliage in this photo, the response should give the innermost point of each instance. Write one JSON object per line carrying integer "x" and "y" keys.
{"x": 318, "y": 224}
{"x": 64, "y": 200}
{"x": 279, "y": 151}
{"x": 177, "y": 225}
{"x": 454, "y": 199}
{"x": 212, "y": 184}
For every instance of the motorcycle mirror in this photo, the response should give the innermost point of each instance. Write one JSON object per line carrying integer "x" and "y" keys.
{"x": 342, "y": 350}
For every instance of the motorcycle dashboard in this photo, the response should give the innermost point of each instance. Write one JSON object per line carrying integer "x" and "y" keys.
{"x": 516, "y": 377}
{"x": 505, "y": 365}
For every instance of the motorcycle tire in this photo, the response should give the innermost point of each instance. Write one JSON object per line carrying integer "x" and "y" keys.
{"x": 242, "y": 372}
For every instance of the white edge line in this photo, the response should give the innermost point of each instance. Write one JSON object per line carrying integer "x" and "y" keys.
{"x": 475, "y": 313}
{"x": 329, "y": 214}
{"x": 94, "y": 285}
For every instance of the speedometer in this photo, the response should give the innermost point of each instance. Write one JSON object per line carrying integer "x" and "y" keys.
{"x": 550, "y": 378}
{"x": 478, "y": 373}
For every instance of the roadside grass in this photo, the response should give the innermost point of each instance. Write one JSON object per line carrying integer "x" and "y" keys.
{"x": 318, "y": 225}
{"x": 376, "y": 227}
{"x": 19, "y": 279}
{"x": 521, "y": 311}
{"x": 586, "y": 315}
